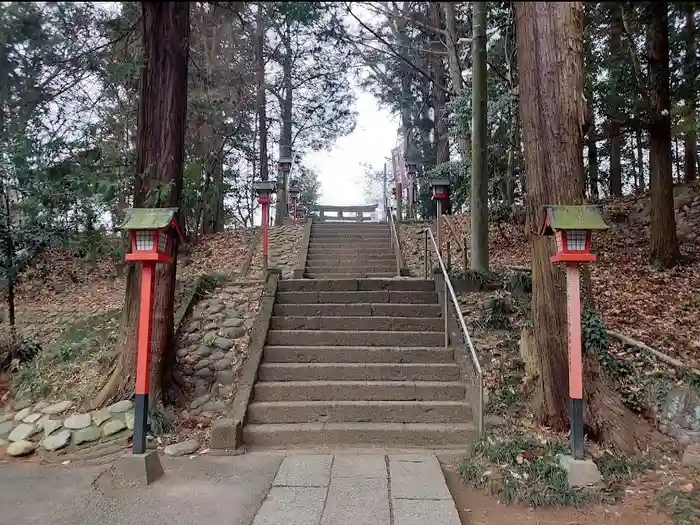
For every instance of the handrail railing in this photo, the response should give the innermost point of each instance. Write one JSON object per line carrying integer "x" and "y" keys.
{"x": 448, "y": 289}
{"x": 394, "y": 239}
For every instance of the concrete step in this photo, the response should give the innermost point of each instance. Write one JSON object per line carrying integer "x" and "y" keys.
{"x": 317, "y": 227}
{"x": 355, "y": 275}
{"x": 342, "y": 310}
{"x": 332, "y": 260}
{"x": 332, "y": 237}
{"x": 368, "y": 256}
{"x": 358, "y": 372}
{"x": 354, "y": 285}
{"x": 359, "y": 412}
{"x": 357, "y": 354}
{"x": 350, "y": 251}
{"x": 350, "y": 268}
{"x": 379, "y": 296}
{"x": 373, "y": 323}
{"x": 359, "y": 391}
{"x": 353, "y": 338}
{"x": 366, "y": 245}
{"x": 357, "y": 434}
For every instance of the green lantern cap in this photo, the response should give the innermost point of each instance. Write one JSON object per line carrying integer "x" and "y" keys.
{"x": 147, "y": 218}
{"x": 586, "y": 217}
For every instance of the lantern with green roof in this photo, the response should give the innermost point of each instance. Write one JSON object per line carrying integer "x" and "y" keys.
{"x": 573, "y": 227}
{"x": 152, "y": 232}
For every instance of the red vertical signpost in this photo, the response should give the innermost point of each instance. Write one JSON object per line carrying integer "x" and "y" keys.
{"x": 265, "y": 189}
{"x": 152, "y": 233}
{"x": 572, "y": 227}
{"x": 439, "y": 192}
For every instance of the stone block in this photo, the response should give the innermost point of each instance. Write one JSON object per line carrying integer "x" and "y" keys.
{"x": 226, "y": 434}
{"x": 304, "y": 471}
{"x": 691, "y": 456}
{"x": 292, "y": 506}
{"x": 353, "y": 500}
{"x": 138, "y": 470}
{"x": 580, "y": 472}
{"x": 422, "y": 512}
{"x": 366, "y": 466}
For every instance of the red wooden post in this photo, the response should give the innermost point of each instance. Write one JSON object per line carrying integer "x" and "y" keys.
{"x": 143, "y": 358}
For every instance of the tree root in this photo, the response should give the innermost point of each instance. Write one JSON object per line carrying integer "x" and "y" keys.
{"x": 659, "y": 355}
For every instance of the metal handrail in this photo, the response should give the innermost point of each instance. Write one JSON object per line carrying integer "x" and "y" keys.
{"x": 394, "y": 239}
{"x": 465, "y": 333}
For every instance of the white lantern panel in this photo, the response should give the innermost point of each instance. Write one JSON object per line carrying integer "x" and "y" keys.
{"x": 557, "y": 236}
{"x": 144, "y": 240}
{"x": 162, "y": 241}
{"x": 576, "y": 240}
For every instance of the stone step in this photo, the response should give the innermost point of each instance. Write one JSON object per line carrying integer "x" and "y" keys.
{"x": 359, "y": 391}
{"x": 331, "y": 237}
{"x": 317, "y": 227}
{"x": 379, "y": 296}
{"x": 356, "y": 275}
{"x": 332, "y": 260}
{"x": 357, "y": 354}
{"x": 342, "y": 310}
{"x": 350, "y": 251}
{"x": 372, "y": 323}
{"x": 358, "y": 372}
{"x": 354, "y": 285}
{"x": 358, "y": 434}
{"x": 350, "y": 268}
{"x": 353, "y": 338}
{"x": 339, "y": 244}
{"x": 359, "y": 412}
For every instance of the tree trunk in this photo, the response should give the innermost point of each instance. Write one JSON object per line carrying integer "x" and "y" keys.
{"x": 159, "y": 163}
{"x": 615, "y": 138}
{"x": 690, "y": 139}
{"x": 550, "y": 64}
{"x": 442, "y": 146}
{"x": 663, "y": 242}
{"x": 285, "y": 149}
{"x": 455, "y": 68}
{"x": 261, "y": 93}
{"x": 479, "y": 190}
{"x": 641, "y": 184}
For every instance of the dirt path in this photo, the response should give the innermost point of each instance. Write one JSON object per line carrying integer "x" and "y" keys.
{"x": 477, "y": 508}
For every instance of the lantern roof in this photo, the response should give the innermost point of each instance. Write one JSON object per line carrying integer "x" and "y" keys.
{"x": 148, "y": 218}
{"x": 582, "y": 217}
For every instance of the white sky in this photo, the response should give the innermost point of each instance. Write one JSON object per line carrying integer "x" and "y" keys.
{"x": 341, "y": 170}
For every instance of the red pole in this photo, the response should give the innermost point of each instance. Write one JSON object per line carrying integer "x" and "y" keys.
{"x": 265, "y": 201}
{"x": 143, "y": 359}
{"x": 575, "y": 359}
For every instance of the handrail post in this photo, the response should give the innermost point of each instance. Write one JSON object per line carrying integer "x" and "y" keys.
{"x": 445, "y": 310}
{"x": 425, "y": 255}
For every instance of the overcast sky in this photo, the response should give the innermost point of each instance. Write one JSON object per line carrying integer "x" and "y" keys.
{"x": 341, "y": 170}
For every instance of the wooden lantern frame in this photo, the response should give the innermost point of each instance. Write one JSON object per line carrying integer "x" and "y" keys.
{"x": 151, "y": 233}
{"x": 573, "y": 225}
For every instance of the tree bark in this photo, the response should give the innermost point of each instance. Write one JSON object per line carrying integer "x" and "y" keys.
{"x": 261, "y": 93}
{"x": 663, "y": 242}
{"x": 479, "y": 187}
{"x": 442, "y": 146}
{"x": 690, "y": 139}
{"x": 641, "y": 184}
{"x": 159, "y": 164}
{"x": 550, "y": 65}
{"x": 615, "y": 138}
{"x": 285, "y": 149}
{"x": 455, "y": 68}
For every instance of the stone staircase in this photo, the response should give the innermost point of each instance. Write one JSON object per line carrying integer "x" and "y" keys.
{"x": 357, "y": 357}
{"x": 340, "y": 251}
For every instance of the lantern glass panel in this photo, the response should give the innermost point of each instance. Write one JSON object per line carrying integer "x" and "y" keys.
{"x": 162, "y": 241}
{"x": 560, "y": 244}
{"x": 576, "y": 240}
{"x": 144, "y": 240}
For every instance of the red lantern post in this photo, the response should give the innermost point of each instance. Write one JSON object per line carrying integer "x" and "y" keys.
{"x": 572, "y": 227}
{"x": 152, "y": 233}
{"x": 264, "y": 189}
{"x": 294, "y": 192}
{"x": 439, "y": 192}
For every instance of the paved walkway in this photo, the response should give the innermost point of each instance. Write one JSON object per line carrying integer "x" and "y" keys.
{"x": 345, "y": 489}
{"x": 259, "y": 489}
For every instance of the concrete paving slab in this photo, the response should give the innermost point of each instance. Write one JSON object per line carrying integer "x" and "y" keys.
{"x": 292, "y": 506}
{"x": 205, "y": 490}
{"x": 304, "y": 471}
{"x": 423, "y": 512}
{"x": 370, "y": 466}
{"x": 417, "y": 476}
{"x": 354, "y": 500}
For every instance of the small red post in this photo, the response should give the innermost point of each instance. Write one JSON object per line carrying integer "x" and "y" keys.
{"x": 265, "y": 202}
{"x": 573, "y": 292}
{"x": 143, "y": 358}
